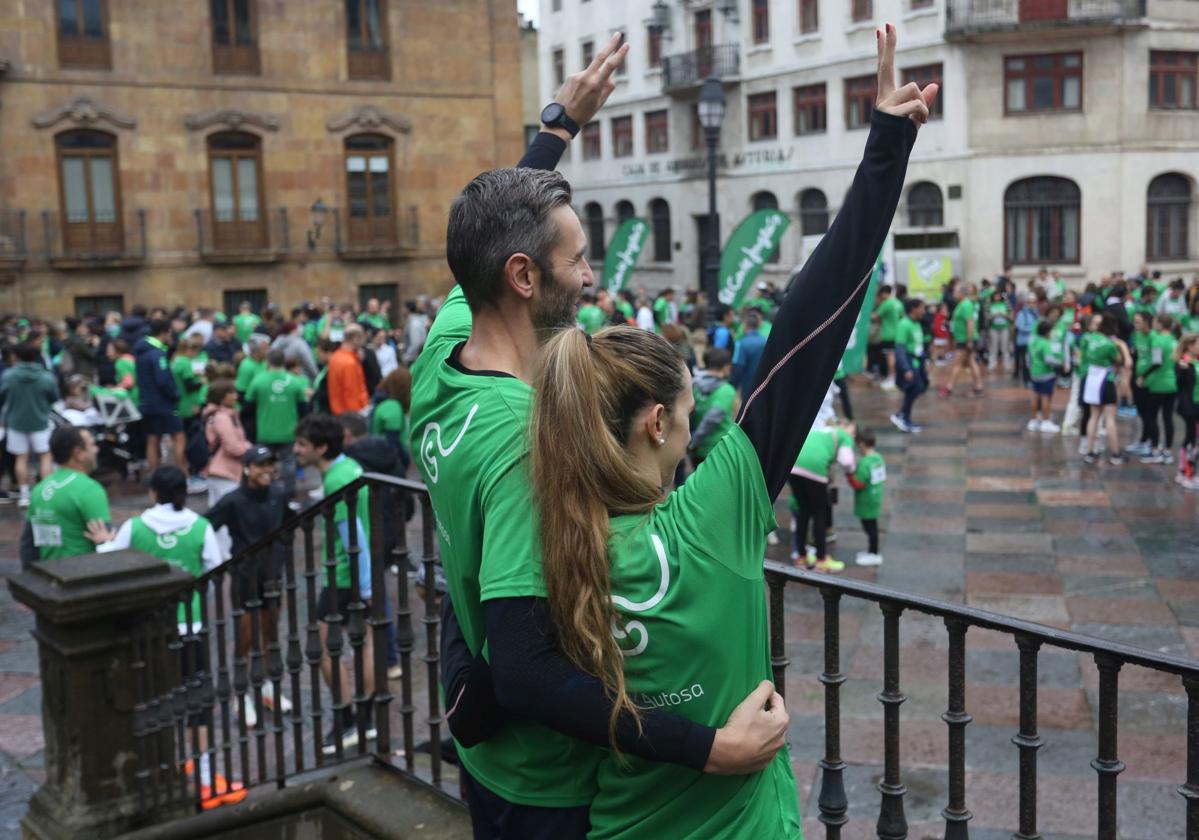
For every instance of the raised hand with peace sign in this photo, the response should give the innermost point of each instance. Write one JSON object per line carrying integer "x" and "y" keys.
{"x": 908, "y": 101}
{"x": 585, "y": 92}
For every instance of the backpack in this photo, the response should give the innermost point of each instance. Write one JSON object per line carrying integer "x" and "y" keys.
{"x": 197, "y": 450}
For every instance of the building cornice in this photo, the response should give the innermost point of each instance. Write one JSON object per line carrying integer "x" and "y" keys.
{"x": 84, "y": 112}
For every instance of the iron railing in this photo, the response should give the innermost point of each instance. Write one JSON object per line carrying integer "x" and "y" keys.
{"x": 256, "y": 240}
{"x": 13, "y": 246}
{"x": 218, "y": 685}
{"x": 115, "y": 239}
{"x": 964, "y": 18}
{"x": 356, "y": 236}
{"x": 1028, "y": 638}
{"x": 689, "y": 69}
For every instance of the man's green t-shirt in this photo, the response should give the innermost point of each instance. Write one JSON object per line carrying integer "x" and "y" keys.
{"x": 591, "y": 318}
{"x": 469, "y": 442}
{"x": 244, "y": 324}
{"x": 127, "y": 366}
{"x": 692, "y": 622}
{"x": 910, "y": 335}
{"x": 60, "y": 507}
{"x": 661, "y": 312}
{"x": 871, "y": 471}
{"x": 183, "y": 548}
{"x": 1000, "y": 314}
{"x": 722, "y": 397}
{"x": 1041, "y": 361}
{"x": 388, "y": 417}
{"x": 890, "y": 311}
{"x": 963, "y": 317}
{"x": 277, "y": 396}
{"x": 189, "y": 384}
{"x": 378, "y": 321}
{"x": 341, "y": 472}
{"x": 1163, "y": 379}
{"x": 246, "y": 371}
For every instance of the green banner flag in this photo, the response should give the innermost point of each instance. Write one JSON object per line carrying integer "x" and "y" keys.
{"x": 854, "y": 360}
{"x": 747, "y": 251}
{"x": 623, "y": 251}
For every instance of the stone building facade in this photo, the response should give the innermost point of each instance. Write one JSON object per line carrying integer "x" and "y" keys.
{"x": 201, "y": 153}
{"x": 1066, "y": 134}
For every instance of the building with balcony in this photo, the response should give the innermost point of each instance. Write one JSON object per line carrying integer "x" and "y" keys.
{"x": 1066, "y": 133}
{"x": 232, "y": 149}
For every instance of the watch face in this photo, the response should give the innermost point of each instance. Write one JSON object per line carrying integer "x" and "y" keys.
{"x": 552, "y": 113}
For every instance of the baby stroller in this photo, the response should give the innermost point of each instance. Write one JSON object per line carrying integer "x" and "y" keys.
{"x": 115, "y": 424}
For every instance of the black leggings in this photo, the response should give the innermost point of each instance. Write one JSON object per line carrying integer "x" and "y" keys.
{"x": 1162, "y": 404}
{"x": 1140, "y": 399}
{"x": 870, "y": 526}
{"x": 846, "y": 406}
{"x": 813, "y": 500}
{"x": 1020, "y": 366}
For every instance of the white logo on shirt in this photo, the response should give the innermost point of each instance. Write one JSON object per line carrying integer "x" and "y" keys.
{"x": 432, "y": 437}
{"x": 50, "y": 487}
{"x": 634, "y": 606}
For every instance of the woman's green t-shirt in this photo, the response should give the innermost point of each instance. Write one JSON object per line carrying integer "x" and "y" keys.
{"x": 389, "y": 417}
{"x": 687, "y": 586}
{"x": 1163, "y": 379}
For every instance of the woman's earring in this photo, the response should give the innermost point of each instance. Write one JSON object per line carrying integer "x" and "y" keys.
{"x": 661, "y": 441}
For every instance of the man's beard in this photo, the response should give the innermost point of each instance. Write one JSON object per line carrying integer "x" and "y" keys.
{"x": 554, "y": 308}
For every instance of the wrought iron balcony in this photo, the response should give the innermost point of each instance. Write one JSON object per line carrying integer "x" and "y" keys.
{"x": 228, "y": 238}
{"x": 12, "y": 238}
{"x": 969, "y": 18}
{"x": 95, "y": 240}
{"x": 688, "y": 70}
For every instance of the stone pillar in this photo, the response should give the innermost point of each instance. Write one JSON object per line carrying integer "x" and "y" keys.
{"x": 85, "y": 607}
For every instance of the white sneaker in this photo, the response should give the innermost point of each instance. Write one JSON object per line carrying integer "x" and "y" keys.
{"x": 1049, "y": 427}
{"x": 196, "y": 485}
{"x": 251, "y": 715}
{"x": 888, "y": 385}
{"x": 1034, "y": 425}
{"x": 899, "y": 423}
{"x": 1082, "y": 447}
{"x": 772, "y": 538}
{"x": 868, "y": 559}
{"x": 268, "y": 699}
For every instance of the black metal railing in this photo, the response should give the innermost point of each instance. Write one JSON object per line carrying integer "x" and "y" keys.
{"x": 13, "y": 246}
{"x": 357, "y": 235}
{"x": 230, "y": 237}
{"x": 1028, "y": 638}
{"x": 971, "y": 17}
{"x": 689, "y": 69}
{"x": 197, "y": 677}
{"x": 95, "y": 240}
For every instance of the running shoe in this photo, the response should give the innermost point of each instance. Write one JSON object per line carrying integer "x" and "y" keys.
{"x": 1153, "y": 457}
{"x": 1167, "y": 457}
{"x": 23, "y": 500}
{"x": 914, "y": 429}
{"x": 394, "y": 672}
{"x": 1115, "y": 460}
{"x": 772, "y": 538}
{"x": 1034, "y": 425}
{"x": 1190, "y": 483}
{"x": 219, "y": 793}
{"x": 830, "y": 536}
{"x": 901, "y": 424}
{"x": 888, "y": 385}
{"x": 1126, "y": 411}
{"x": 976, "y": 392}
{"x": 268, "y": 699}
{"x": 349, "y": 737}
{"x": 945, "y": 392}
{"x": 1082, "y": 447}
{"x": 829, "y": 566}
{"x": 865, "y": 558}
{"x": 1138, "y": 448}
{"x": 251, "y": 715}
{"x": 1049, "y": 427}
{"x": 196, "y": 485}
{"x": 1091, "y": 457}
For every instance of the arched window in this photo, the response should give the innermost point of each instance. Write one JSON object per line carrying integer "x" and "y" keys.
{"x": 624, "y": 211}
{"x": 89, "y": 192}
{"x": 765, "y": 200}
{"x": 1169, "y": 205}
{"x": 594, "y": 215}
{"x": 659, "y": 215}
{"x": 925, "y": 207}
{"x": 1041, "y": 221}
{"x": 370, "y": 191}
{"x": 235, "y": 185}
{"x": 813, "y": 212}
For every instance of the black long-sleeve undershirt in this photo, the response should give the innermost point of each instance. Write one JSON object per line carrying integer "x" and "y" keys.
{"x": 817, "y": 316}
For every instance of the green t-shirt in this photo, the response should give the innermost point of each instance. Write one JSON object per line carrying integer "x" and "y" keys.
{"x": 189, "y": 383}
{"x": 246, "y": 371}
{"x": 1098, "y": 350}
{"x": 871, "y": 471}
{"x": 687, "y": 586}
{"x": 183, "y": 548}
{"x": 311, "y": 332}
{"x": 1000, "y": 314}
{"x": 910, "y": 335}
{"x": 469, "y": 442}
{"x": 964, "y": 315}
{"x": 661, "y": 312}
{"x": 389, "y": 417}
{"x": 341, "y": 472}
{"x": 127, "y": 366}
{"x": 244, "y": 324}
{"x": 1163, "y": 379}
{"x": 60, "y": 507}
{"x": 721, "y": 397}
{"x": 591, "y": 318}
{"x": 819, "y": 451}
{"x": 626, "y": 309}
{"x": 889, "y": 312}
{"x": 277, "y": 396}
{"x": 1042, "y": 363}
{"x": 378, "y": 321}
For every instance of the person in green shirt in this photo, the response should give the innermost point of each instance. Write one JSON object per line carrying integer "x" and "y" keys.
{"x": 277, "y": 398}
{"x": 889, "y": 311}
{"x": 125, "y": 367}
{"x": 911, "y": 372}
{"x": 1142, "y": 327}
{"x": 245, "y": 322}
{"x": 375, "y": 316}
{"x": 999, "y": 331}
{"x": 188, "y": 369}
{"x": 390, "y": 417}
{"x": 716, "y": 404}
{"x": 1042, "y": 368}
{"x": 318, "y": 444}
{"x": 590, "y": 317}
{"x": 664, "y": 310}
{"x": 1101, "y": 355}
{"x": 68, "y": 509}
{"x": 1160, "y": 382}
{"x": 248, "y": 368}
{"x": 867, "y": 481}
{"x": 964, "y": 329}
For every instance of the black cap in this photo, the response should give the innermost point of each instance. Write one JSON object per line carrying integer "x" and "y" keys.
{"x": 258, "y": 455}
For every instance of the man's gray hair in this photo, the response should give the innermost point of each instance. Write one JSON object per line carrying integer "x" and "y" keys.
{"x": 500, "y": 213}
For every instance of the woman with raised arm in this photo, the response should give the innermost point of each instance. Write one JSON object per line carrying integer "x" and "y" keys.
{"x": 662, "y": 597}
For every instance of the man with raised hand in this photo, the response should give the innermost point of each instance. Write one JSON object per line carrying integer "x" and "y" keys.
{"x": 517, "y": 250}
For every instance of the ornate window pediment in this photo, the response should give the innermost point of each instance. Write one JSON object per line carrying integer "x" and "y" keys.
{"x": 83, "y": 112}
{"x": 231, "y": 119}
{"x": 368, "y": 118}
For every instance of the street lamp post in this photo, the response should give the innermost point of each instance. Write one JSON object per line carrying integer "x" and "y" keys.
{"x": 711, "y": 116}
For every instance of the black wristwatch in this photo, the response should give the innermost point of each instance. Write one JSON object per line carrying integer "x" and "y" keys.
{"x": 554, "y": 115}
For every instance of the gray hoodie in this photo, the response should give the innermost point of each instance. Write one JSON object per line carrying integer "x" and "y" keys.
{"x": 27, "y": 392}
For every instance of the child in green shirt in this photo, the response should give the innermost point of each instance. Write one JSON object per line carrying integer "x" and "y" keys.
{"x": 867, "y": 482}
{"x": 1043, "y": 361}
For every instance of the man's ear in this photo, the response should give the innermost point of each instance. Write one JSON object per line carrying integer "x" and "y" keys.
{"x": 521, "y": 275}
